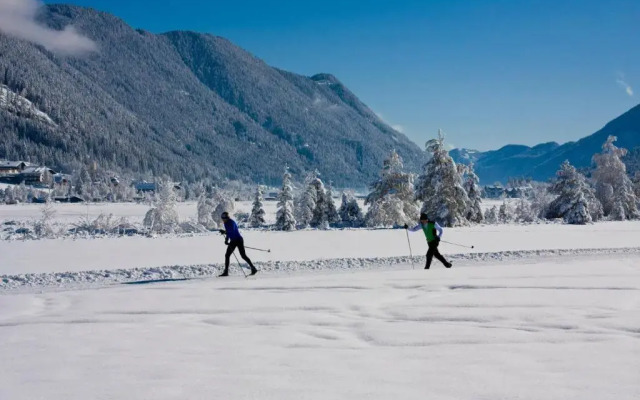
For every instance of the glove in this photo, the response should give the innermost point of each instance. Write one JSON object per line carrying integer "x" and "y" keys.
{"x": 222, "y": 231}
{"x": 406, "y": 226}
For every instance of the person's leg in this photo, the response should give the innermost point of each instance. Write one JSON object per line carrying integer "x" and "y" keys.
{"x": 244, "y": 256}
{"x": 439, "y": 256}
{"x": 429, "y": 256}
{"x": 227, "y": 257}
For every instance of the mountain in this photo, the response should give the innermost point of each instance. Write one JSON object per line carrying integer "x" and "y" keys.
{"x": 185, "y": 104}
{"x": 542, "y": 161}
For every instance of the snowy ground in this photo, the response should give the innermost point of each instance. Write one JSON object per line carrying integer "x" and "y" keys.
{"x": 544, "y": 311}
{"x": 549, "y": 329}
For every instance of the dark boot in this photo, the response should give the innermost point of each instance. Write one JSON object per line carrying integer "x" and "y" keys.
{"x": 448, "y": 265}
{"x": 224, "y": 273}
{"x": 253, "y": 270}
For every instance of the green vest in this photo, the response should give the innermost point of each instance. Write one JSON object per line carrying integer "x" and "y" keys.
{"x": 430, "y": 231}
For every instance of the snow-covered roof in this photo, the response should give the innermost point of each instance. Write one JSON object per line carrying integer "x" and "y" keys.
{"x": 13, "y": 164}
{"x": 36, "y": 170}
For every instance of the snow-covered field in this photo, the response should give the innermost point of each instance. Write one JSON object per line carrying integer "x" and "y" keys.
{"x": 544, "y": 311}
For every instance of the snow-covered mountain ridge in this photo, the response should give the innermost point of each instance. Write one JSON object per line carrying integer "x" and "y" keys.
{"x": 541, "y": 162}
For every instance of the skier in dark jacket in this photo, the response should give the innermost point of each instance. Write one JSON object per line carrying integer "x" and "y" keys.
{"x": 233, "y": 239}
{"x": 433, "y": 232}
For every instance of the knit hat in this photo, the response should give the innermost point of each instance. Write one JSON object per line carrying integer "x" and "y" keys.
{"x": 423, "y": 217}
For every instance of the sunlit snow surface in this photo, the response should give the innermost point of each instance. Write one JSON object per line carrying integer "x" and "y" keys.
{"x": 532, "y": 312}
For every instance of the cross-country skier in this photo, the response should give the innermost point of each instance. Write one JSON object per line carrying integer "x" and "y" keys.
{"x": 233, "y": 239}
{"x": 433, "y": 232}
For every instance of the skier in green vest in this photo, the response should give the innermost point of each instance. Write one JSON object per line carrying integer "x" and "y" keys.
{"x": 433, "y": 232}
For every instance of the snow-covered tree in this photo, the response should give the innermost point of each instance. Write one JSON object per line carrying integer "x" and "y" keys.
{"x": 636, "y": 185}
{"x": 205, "y": 209}
{"x": 332, "y": 214}
{"x": 223, "y": 203}
{"x": 576, "y": 202}
{"x": 257, "y": 212}
{"x": 614, "y": 189}
{"x": 470, "y": 184}
{"x": 9, "y": 196}
{"x": 350, "y": 212}
{"x": 440, "y": 187}
{"x": 392, "y": 199}
{"x": 211, "y": 204}
{"x": 82, "y": 183}
{"x": 285, "y": 221}
{"x": 163, "y": 218}
{"x": 320, "y": 218}
{"x": 491, "y": 216}
{"x": 524, "y": 212}
{"x": 306, "y": 202}
{"x": 505, "y": 213}
{"x": 540, "y": 200}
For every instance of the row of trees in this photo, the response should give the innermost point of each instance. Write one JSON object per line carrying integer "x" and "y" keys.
{"x": 450, "y": 194}
{"x": 445, "y": 191}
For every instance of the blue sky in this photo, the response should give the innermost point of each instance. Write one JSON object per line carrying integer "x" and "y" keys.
{"x": 487, "y": 73}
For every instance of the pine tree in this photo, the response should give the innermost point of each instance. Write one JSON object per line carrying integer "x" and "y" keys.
{"x": 350, "y": 212}
{"x": 332, "y": 214}
{"x": 576, "y": 202}
{"x": 82, "y": 183}
{"x": 285, "y": 221}
{"x": 474, "y": 208}
{"x": 392, "y": 199}
{"x": 440, "y": 187}
{"x": 306, "y": 202}
{"x": 613, "y": 187}
{"x": 320, "y": 212}
{"x": 256, "y": 219}
{"x": 636, "y": 185}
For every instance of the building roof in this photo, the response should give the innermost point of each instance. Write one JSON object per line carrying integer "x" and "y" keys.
{"x": 13, "y": 164}
{"x": 37, "y": 170}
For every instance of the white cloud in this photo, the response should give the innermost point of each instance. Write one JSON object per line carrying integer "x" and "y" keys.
{"x": 17, "y": 18}
{"x": 621, "y": 81}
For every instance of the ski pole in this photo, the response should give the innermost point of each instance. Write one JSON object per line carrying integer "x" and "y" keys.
{"x": 253, "y": 248}
{"x": 410, "y": 252}
{"x": 239, "y": 265}
{"x": 456, "y": 244}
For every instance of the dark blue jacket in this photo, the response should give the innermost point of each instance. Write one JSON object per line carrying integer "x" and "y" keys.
{"x": 232, "y": 230}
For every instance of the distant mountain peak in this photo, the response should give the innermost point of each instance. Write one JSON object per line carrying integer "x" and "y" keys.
{"x": 541, "y": 161}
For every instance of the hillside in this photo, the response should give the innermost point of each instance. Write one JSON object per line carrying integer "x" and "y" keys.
{"x": 542, "y": 161}
{"x": 186, "y": 104}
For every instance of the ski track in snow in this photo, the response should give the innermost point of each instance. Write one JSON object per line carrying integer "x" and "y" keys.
{"x": 567, "y": 329}
{"x": 97, "y": 278}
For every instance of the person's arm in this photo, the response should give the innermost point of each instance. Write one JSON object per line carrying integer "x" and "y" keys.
{"x": 415, "y": 228}
{"x": 439, "y": 230}
{"x": 225, "y": 231}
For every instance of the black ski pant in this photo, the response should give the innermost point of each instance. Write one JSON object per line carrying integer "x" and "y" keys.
{"x": 433, "y": 251}
{"x": 238, "y": 243}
